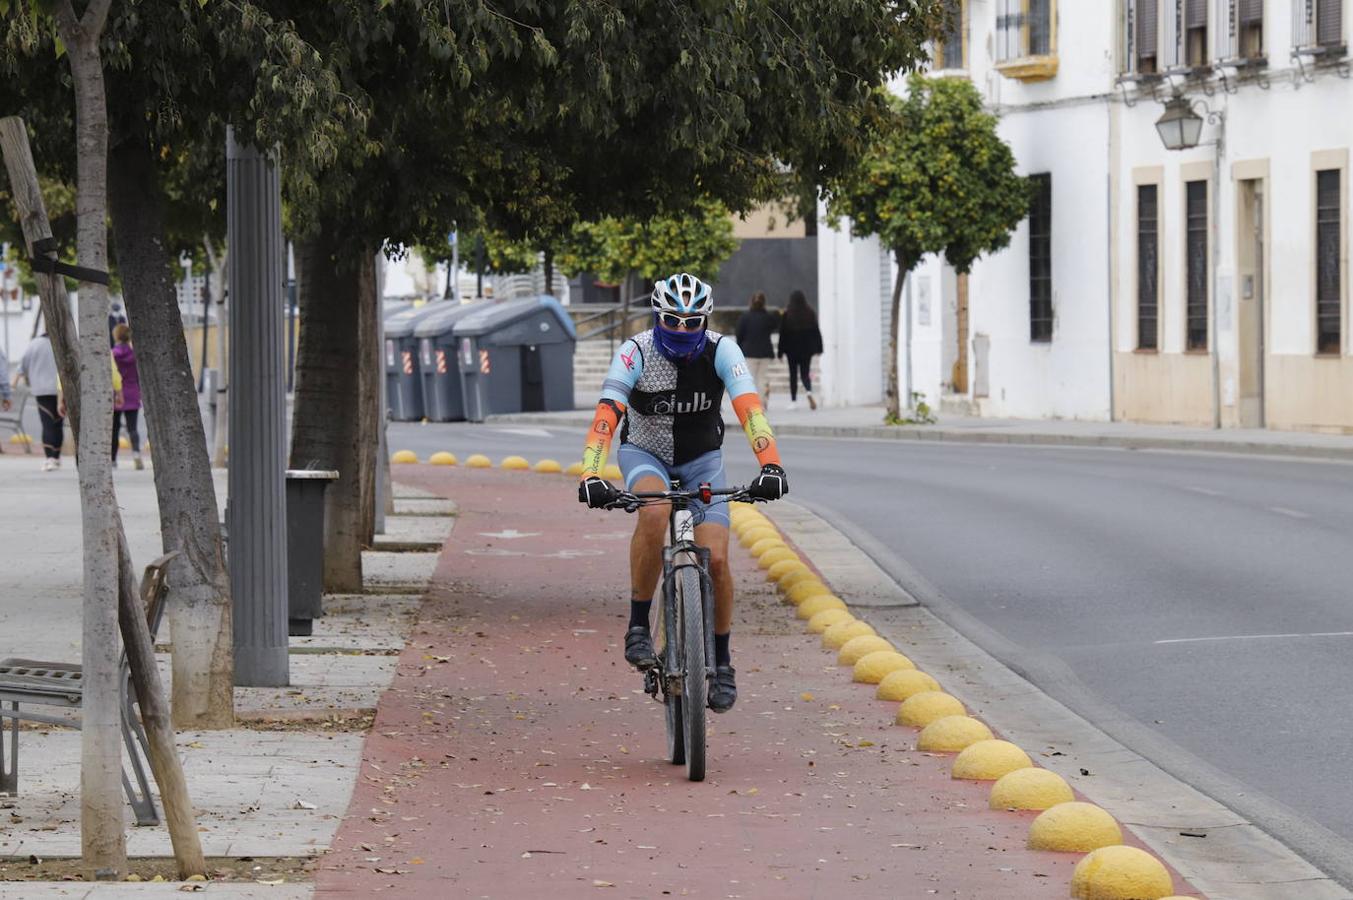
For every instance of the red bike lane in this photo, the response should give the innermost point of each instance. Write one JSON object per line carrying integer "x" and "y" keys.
{"x": 516, "y": 753}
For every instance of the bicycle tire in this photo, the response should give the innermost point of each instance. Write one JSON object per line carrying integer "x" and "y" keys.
{"x": 676, "y": 737}
{"x": 695, "y": 686}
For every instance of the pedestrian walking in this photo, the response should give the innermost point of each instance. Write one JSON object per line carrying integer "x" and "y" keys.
{"x": 38, "y": 368}
{"x": 800, "y": 341}
{"x": 755, "y": 326}
{"x": 129, "y": 408}
{"x": 4, "y": 382}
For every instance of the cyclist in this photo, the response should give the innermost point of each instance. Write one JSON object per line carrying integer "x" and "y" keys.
{"x": 667, "y": 386}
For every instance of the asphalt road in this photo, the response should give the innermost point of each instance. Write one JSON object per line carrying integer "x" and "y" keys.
{"x": 1197, "y": 606}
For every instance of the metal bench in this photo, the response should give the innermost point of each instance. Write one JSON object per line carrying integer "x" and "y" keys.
{"x": 27, "y": 682}
{"x": 12, "y": 420}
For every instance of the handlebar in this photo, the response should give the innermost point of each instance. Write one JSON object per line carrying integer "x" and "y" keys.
{"x": 631, "y": 502}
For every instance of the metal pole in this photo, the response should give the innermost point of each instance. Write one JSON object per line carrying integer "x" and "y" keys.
{"x": 257, "y": 462}
{"x": 291, "y": 319}
{"x": 453, "y": 277}
{"x": 206, "y": 326}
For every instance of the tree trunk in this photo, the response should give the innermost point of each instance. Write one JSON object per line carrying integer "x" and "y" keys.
{"x": 960, "y": 373}
{"x": 103, "y": 842}
{"x": 164, "y": 760}
{"x": 549, "y": 271}
{"x": 329, "y": 427}
{"x": 199, "y": 617}
{"x": 894, "y": 395}
{"x": 371, "y": 377}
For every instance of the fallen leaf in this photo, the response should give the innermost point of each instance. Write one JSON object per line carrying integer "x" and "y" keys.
{"x": 806, "y": 697}
{"x": 301, "y": 804}
{"x": 599, "y": 883}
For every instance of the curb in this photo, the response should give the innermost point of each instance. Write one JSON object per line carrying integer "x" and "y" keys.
{"x": 1238, "y": 859}
{"x": 971, "y": 436}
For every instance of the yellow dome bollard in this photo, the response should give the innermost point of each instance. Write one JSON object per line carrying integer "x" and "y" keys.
{"x": 904, "y": 683}
{"x": 855, "y": 649}
{"x": 989, "y": 760}
{"x": 404, "y": 456}
{"x": 805, "y": 590}
{"x": 753, "y": 533}
{"x": 612, "y": 473}
{"x": 784, "y": 567}
{"x": 820, "y": 622}
{"x": 796, "y": 576}
{"x": 1120, "y": 873}
{"x": 951, "y": 734}
{"x": 1074, "y": 827}
{"x": 920, "y": 709}
{"x": 836, "y": 636}
{"x": 765, "y": 544}
{"x": 20, "y": 439}
{"x": 574, "y": 469}
{"x": 479, "y": 461}
{"x": 874, "y": 667}
{"x": 442, "y": 458}
{"x": 517, "y": 463}
{"x": 774, "y": 555}
{"x": 1031, "y": 788}
{"x": 814, "y": 605}
{"x": 548, "y": 467}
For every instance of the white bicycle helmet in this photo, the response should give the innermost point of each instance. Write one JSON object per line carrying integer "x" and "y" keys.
{"x": 683, "y": 295}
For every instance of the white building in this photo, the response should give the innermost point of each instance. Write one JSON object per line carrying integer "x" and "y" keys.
{"x": 1205, "y": 286}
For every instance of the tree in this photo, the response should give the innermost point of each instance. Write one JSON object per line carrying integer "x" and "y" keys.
{"x": 619, "y": 250}
{"x": 937, "y": 178}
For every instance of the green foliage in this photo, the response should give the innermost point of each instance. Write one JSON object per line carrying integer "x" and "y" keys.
{"x": 502, "y": 255}
{"x": 697, "y": 242}
{"x": 920, "y": 413}
{"x": 937, "y": 179}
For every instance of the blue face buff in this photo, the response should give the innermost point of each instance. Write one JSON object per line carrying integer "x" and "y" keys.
{"x": 679, "y": 346}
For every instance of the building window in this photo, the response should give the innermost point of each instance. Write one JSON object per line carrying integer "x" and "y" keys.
{"x": 1193, "y": 24}
{"x": 1318, "y": 25}
{"x": 1148, "y": 268}
{"x": 1196, "y": 263}
{"x": 952, "y": 46}
{"x": 1026, "y": 39}
{"x": 1143, "y": 36}
{"x": 1246, "y": 31}
{"x": 1328, "y": 261}
{"x": 1040, "y": 259}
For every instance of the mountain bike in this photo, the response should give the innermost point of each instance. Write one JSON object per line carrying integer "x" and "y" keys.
{"x": 685, "y": 635}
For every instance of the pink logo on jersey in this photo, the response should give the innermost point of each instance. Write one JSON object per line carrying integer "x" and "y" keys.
{"x": 627, "y": 360}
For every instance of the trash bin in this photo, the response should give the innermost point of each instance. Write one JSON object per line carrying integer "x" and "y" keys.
{"x": 442, "y": 400}
{"x": 403, "y": 386}
{"x": 516, "y": 356}
{"x": 305, "y": 547}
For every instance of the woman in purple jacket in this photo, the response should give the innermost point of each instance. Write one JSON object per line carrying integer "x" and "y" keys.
{"x": 130, "y": 407}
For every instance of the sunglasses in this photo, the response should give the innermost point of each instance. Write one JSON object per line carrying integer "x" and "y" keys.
{"x": 682, "y": 323}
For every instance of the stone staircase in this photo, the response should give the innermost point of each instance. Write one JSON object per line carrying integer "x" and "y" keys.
{"x": 592, "y": 360}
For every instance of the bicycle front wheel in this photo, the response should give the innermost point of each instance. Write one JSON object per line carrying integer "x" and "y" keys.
{"x": 695, "y": 686}
{"x": 671, "y": 700}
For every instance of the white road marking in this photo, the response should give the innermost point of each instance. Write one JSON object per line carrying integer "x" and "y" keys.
{"x": 1293, "y": 513}
{"x": 509, "y": 534}
{"x": 525, "y": 432}
{"x": 1206, "y": 491}
{"x": 1255, "y": 637}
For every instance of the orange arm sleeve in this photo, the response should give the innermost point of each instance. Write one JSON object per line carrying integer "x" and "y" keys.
{"x": 759, "y": 435}
{"x": 599, "y": 436}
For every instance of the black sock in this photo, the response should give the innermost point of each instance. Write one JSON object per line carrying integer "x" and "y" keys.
{"x": 639, "y": 610}
{"x": 722, "y": 655}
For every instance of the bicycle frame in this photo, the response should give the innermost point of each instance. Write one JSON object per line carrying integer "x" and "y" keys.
{"x": 683, "y": 552}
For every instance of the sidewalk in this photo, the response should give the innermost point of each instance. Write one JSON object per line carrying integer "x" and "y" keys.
{"x": 269, "y": 793}
{"x": 515, "y": 750}
{"x": 867, "y": 422}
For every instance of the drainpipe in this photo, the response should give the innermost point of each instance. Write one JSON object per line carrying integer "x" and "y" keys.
{"x": 1215, "y": 213}
{"x": 907, "y": 301}
{"x": 1109, "y": 232}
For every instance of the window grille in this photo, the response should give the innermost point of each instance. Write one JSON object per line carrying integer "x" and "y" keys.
{"x": 1040, "y": 259}
{"x": 1148, "y": 263}
{"x": 1195, "y": 255}
{"x": 1328, "y": 264}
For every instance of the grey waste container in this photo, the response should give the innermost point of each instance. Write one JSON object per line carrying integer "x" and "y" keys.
{"x": 442, "y": 400}
{"x": 305, "y": 547}
{"x": 516, "y": 356}
{"x": 403, "y": 386}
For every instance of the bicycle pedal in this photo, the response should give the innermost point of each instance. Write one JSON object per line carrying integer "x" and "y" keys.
{"x": 651, "y": 682}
